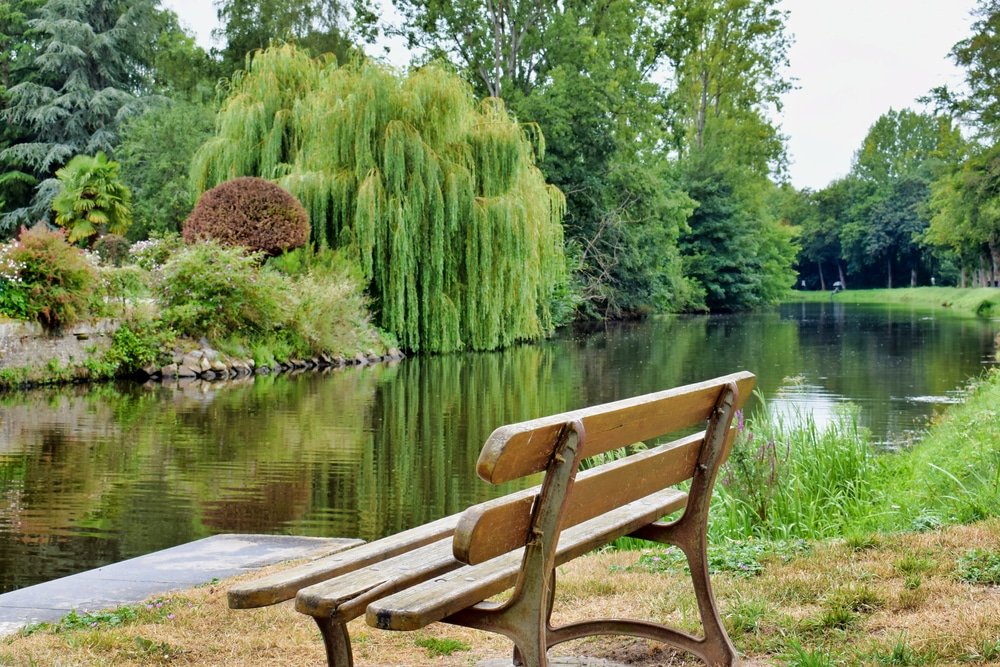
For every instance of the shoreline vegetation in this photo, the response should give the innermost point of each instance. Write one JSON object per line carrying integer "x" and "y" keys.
{"x": 174, "y": 301}
{"x": 978, "y": 301}
{"x": 824, "y": 550}
{"x": 353, "y": 332}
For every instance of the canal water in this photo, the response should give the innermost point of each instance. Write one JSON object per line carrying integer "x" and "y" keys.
{"x": 92, "y": 475}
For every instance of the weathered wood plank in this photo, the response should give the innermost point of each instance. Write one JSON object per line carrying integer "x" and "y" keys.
{"x": 284, "y": 585}
{"x": 486, "y": 531}
{"x": 434, "y": 600}
{"x": 345, "y": 597}
{"x": 517, "y": 450}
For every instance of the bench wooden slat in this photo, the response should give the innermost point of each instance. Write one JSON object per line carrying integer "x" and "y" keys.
{"x": 489, "y": 530}
{"x": 346, "y": 597}
{"x": 284, "y": 585}
{"x": 517, "y": 450}
{"x": 433, "y": 600}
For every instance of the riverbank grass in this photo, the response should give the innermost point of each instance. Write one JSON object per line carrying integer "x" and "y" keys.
{"x": 981, "y": 301}
{"x": 897, "y": 599}
{"x": 792, "y": 480}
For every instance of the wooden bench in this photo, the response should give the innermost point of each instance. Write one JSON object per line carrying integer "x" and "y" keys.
{"x": 448, "y": 569}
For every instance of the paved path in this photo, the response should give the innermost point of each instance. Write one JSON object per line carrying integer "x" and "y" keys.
{"x": 137, "y": 579}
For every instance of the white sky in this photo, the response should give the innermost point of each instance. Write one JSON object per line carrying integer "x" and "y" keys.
{"x": 852, "y": 60}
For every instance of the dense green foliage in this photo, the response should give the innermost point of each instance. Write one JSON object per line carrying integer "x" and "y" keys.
{"x": 978, "y": 102}
{"x": 251, "y": 213}
{"x": 736, "y": 250}
{"x": 92, "y": 199}
{"x": 213, "y": 291}
{"x": 87, "y": 75}
{"x": 965, "y": 210}
{"x": 155, "y": 153}
{"x": 436, "y": 197}
{"x": 228, "y": 296}
{"x": 318, "y": 26}
{"x": 870, "y": 229}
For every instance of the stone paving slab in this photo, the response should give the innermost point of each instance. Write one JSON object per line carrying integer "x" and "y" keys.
{"x": 139, "y": 578}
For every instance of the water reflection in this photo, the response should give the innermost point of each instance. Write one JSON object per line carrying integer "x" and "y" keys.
{"x": 90, "y": 476}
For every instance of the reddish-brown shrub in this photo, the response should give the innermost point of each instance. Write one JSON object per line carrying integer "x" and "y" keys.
{"x": 249, "y": 212}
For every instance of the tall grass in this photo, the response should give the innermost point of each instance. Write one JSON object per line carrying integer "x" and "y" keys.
{"x": 788, "y": 478}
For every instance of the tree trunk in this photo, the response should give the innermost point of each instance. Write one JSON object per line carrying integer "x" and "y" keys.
{"x": 702, "y": 110}
{"x": 913, "y": 277}
{"x": 995, "y": 257}
{"x": 822, "y": 280}
{"x": 888, "y": 266}
{"x": 497, "y": 20}
{"x": 840, "y": 273}
{"x": 963, "y": 282}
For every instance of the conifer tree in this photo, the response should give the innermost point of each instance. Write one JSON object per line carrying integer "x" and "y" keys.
{"x": 437, "y": 196}
{"x": 90, "y": 70}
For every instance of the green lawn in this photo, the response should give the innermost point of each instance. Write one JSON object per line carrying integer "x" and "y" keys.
{"x": 981, "y": 301}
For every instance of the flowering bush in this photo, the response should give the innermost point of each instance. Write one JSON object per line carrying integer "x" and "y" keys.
{"x": 112, "y": 249}
{"x": 331, "y": 311}
{"x": 13, "y": 293}
{"x": 218, "y": 292}
{"x": 46, "y": 279}
{"x": 154, "y": 252}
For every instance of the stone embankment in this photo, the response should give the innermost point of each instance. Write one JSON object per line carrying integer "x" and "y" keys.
{"x": 209, "y": 364}
{"x": 29, "y": 355}
{"x": 27, "y": 344}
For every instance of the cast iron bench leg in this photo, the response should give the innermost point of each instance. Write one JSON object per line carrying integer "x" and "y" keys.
{"x": 337, "y": 642}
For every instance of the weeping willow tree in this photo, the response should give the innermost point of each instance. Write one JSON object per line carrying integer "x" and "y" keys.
{"x": 437, "y": 197}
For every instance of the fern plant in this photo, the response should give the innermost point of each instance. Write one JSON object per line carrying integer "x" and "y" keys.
{"x": 92, "y": 198}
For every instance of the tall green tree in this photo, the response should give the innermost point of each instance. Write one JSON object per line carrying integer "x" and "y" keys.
{"x": 900, "y": 143}
{"x": 583, "y": 72}
{"x": 737, "y": 251}
{"x": 155, "y": 153}
{"x": 978, "y": 102}
{"x": 90, "y": 72}
{"x": 897, "y": 226}
{"x": 437, "y": 196}
{"x": 499, "y": 45}
{"x": 821, "y": 259}
{"x": 318, "y": 26}
{"x": 882, "y": 230}
{"x": 965, "y": 215}
{"x": 728, "y": 59}
{"x": 17, "y": 52}
{"x": 181, "y": 69}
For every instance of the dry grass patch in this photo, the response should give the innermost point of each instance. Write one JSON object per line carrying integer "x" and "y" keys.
{"x": 941, "y": 620}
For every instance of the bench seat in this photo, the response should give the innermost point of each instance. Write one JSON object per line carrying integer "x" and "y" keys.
{"x": 436, "y": 599}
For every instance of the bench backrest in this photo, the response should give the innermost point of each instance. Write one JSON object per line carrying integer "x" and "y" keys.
{"x": 518, "y": 450}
